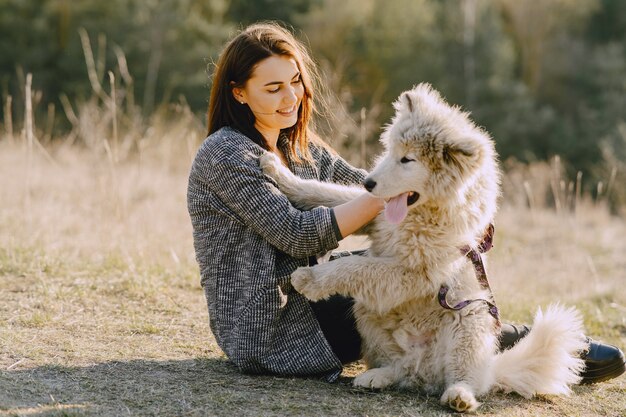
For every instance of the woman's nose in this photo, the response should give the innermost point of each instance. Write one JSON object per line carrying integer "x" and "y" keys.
{"x": 291, "y": 95}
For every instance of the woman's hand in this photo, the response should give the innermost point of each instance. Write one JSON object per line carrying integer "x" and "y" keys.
{"x": 355, "y": 214}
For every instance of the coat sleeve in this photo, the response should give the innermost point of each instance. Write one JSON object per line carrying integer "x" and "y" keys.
{"x": 333, "y": 168}
{"x": 344, "y": 173}
{"x": 237, "y": 180}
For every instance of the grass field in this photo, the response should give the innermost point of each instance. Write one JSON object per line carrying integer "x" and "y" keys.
{"x": 102, "y": 312}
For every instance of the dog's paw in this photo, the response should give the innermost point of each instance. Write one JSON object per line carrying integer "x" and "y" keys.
{"x": 460, "y": 398}
{"x": 270, "y": 164}
{"x": 304, "y": 281}
{"x": 376, "y": 378}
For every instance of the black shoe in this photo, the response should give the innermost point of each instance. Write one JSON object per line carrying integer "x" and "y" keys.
{"x": 602, "y": 362}
{"x": 511, "y": 334}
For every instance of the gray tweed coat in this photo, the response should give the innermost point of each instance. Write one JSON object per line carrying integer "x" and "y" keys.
{"x": 248, "y": 239}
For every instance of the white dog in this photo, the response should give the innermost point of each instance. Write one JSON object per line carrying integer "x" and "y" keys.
{"x": 439, "y": 174}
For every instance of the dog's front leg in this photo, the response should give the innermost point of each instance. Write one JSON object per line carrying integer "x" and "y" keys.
{"x": 379, "y": 282}
{"x": 306, "y": 194}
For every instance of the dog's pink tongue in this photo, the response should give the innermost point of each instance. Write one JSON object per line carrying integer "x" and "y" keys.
{"x": 396, "y": 209}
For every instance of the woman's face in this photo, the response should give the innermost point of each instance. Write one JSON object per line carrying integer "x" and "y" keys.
{"x": 273, "y": 93}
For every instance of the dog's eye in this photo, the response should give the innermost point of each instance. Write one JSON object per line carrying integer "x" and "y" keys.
{"x": 404, "y": 160}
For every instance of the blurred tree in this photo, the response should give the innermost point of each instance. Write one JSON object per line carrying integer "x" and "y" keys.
{"x": 533, "y": 24}
{"x": 544, "y": 77}
{"x": 369, "y": 52}
{"x": 248, "y": 11}
{"x": 166, "y": 44}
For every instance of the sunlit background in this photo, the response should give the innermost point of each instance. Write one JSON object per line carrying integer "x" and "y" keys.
{"x": 544, "y": 77}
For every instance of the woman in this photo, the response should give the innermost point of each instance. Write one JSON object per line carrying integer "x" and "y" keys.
{"x": 249, "y": 238}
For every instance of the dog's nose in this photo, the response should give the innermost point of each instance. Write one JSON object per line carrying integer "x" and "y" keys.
{"x": 369, "y": 184}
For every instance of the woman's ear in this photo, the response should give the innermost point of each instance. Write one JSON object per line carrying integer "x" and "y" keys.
{"x": 238, "y": 93}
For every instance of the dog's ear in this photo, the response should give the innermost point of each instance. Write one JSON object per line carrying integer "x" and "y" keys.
{"x": 461, "y": 154}
{"x": 406, "y": 99}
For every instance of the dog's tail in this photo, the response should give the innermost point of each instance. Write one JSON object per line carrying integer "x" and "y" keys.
{"x": 547, "y": 360}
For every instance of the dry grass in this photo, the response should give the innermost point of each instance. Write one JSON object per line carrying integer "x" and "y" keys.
{"x": 102, "y": 313}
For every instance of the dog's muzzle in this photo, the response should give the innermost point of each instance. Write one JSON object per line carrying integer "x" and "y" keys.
{"x": 369, "y": 184}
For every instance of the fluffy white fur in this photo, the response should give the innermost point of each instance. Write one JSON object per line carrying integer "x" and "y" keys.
{"x": 433, "y": 149}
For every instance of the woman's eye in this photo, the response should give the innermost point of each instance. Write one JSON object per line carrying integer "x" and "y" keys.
{"x": 274, "y": 90}
{"x": 404, "y": 160}
{"x": 298, "y": 81}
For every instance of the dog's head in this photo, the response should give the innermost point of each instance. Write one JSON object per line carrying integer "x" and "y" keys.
{"x": 434, "y": 152}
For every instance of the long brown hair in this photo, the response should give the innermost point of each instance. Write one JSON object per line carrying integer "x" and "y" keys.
{"x": 234, "y": 68}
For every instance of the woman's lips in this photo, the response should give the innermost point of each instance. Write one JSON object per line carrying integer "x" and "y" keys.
{"x": 288, "y": 112}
